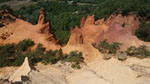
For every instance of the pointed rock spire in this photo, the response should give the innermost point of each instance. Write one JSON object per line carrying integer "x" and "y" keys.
{"x": 22, "y": 71}
{"x": 41, "y": 17}
{"x": 76, "y": 37}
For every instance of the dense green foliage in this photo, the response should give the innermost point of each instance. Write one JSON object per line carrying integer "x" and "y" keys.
{"x": 34, "y": 0}
{"x": 105, "y": 47}
{"x": 143, "y": 32}
{"x": 14, "y": 55}
{"x": 140, "y": 52}
{"x": 23, "y": 45}
{"x": 5, "y": 7}
{"x": 9, "y": 53}
{"x": 74, "y": 57}
{"x": 1, "y": 1}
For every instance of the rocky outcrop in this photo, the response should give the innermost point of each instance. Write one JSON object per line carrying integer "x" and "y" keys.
{"x": 92, "y": 28}
{"x": 45, "y": 27}
{"x": 24, "y": 70}
{"x": 76, "y": 37}
{"x": 116, "y": 28}
{"x": 41, "y": 17}
{"x": 82, "y": 21}
{"x": 20, "y": 30}
{"x": 90, "y": 20}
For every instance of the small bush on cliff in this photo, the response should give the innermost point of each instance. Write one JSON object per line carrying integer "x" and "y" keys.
{"x": 14, "y": 55}
{"x": 143, "y": 32}
{"x": 53, "y": 57}
{"x": 50, "y": 57}
{"x": 6, "y": 53}
{"x": 75, "y": 57}
{"x": 24, "y": 45}
{"x": 105, "y": 47}
{"x": 139, "y": 52}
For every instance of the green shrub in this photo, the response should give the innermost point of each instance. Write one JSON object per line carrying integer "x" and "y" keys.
{"x": 73, "y": 65}
{"x": 36, "y": 55}
{"x": 78, "y": 67}
{"x": 139, "y": 52}
{"x": 25, "y": 44}
{"x": 18, "y": 59}
{"x": 6, "y": 53}
{"x": 105, "y": 47}
{"x": 6, "y": 7}
{"x": 12, "y": 55}
{"x": 143, "y": 32}
{"x": 50, "y": 57}
{"x": 75, "y": 57}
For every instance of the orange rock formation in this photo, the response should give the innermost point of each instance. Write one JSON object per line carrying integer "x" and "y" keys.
{"x": 20, "y": 30}
{"x": 76, "y": 37}
{"x": 115, "y": 29}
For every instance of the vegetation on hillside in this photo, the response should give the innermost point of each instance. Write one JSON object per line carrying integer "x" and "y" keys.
{"x": 2, "y": 1}
{"x": 143, "y": 33}
{"x": 139, "y": 52}
{"x": 6, "y": 7}
{"x": 64, "y": 16}
{"x": 14, "y": 54}
{"x": 105, "y": 47}
{"x": 142, "y": 51}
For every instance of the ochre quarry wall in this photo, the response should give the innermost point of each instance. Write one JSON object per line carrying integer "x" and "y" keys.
{"x": 20, "y": 30}
{"x": 76, "y": 37}
{"x": 116, "y": 28}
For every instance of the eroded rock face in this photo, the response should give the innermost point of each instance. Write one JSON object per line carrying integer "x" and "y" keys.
{"x": 130, "y": 23}
{"x": 41, "y": 17}
{"x": 91, "y": 29}
{"x": 20, "y": 30}
{"x": 24, "y": 70}
{"x": 116, "y": 28}
{"x": 76, "y": 37}
{"x": 90, "y": 20}
{"x": 82, "y": 21}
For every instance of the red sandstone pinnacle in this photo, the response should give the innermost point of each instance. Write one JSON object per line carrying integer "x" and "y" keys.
{"x": 90, "y": 20}
{"x": 76, "y": 37}
{"x": 45, "y": 27}
{"x": 41, "y": 17}
{"x": 82, "y": 21}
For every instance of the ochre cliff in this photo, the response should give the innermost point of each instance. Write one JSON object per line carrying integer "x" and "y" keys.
{"x": 20, "y": 30}
{"x": 116, "y": 28}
